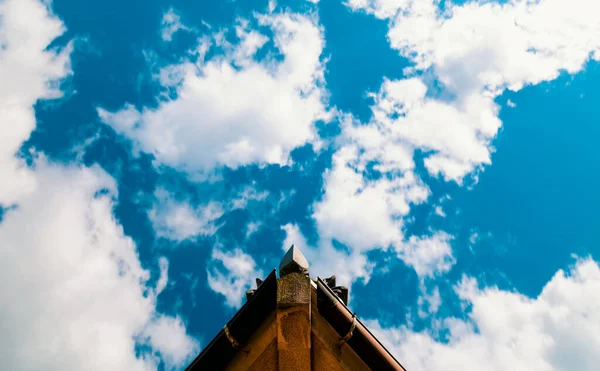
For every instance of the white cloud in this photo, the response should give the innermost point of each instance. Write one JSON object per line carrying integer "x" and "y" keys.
{"x": 231, "y": 273}
{"x": 293, "y": 236}
{"x": 248, "y": 194}
{"x": 366, "y": 213}
{"x": 476, "y": 50}
{"x": 73, "y": 281}
{"x": 380, "y": 8}
{"x": 28, "y": 72}
{"x": 363, "y": 213}
{"x": 179, "y": 221}
{"x": 557, "y": 331}
{"x": 167, "y": 336}
{"x": 171, "y": 23}
{"x": 429, "y": 302}
{"x": 233, "y": 110}
{"x": 538, "y": 39}
{"x": 428, "y": 256}
{"x": 252, "y": 228}
{"x": 76, "y": 282}
{"x": 459, "y": 134}
{"x": 440, "y": 211}
{"x": 163, "y": 264}
{"x": 250, "y": 42}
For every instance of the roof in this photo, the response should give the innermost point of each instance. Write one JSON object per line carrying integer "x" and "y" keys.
{"x": 220, "y": 351}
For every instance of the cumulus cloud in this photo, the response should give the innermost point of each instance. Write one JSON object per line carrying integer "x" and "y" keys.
{"x": 428, "y": 255}
{"x": 557, "y": 331}
{"x": 171, "y": 23}
{"x": 428, "y": 302}
{"x": 76, "y": 282}
{"x": 458, "y": 134}
{"x": 233, "y": 110}
{"x": 364, "y": 213}
{"x": 73, "y": 280}
{"x": 367, "y": 212}
{"x": 538, "y": 40}
{"x": 167, "y": 336}
{"x": 476, "y": 50}
{"x": 248, "y": 194}
{"x": 28, "y": 71}
{"x": 231, "y": 273}
{"x": 179, "y": 221}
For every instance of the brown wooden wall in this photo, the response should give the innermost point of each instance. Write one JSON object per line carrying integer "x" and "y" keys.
{"x": 295, "y": 337}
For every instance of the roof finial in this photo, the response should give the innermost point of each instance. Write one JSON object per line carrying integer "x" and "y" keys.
{"x": 293, "y": 261}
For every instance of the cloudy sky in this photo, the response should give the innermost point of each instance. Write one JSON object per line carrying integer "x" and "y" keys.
{"x": 440, "y": 157}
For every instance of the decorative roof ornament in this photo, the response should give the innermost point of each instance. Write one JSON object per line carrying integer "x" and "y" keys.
{"x": 340, "y": 291}
{"x": 271, "y": 304}
{"x": 293, "y": 262}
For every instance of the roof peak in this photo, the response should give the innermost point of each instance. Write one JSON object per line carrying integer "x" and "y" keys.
{"x": 293, "y": 262}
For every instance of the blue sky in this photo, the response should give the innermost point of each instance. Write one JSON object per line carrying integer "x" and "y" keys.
{"x": 439, "y": 157}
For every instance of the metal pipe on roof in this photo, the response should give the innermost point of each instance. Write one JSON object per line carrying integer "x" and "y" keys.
{"x": 221, "y": 350}
{"x": 366, "y": 346}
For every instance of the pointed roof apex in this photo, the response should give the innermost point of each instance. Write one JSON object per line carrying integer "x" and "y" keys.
{"x": 293, "y": 261}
